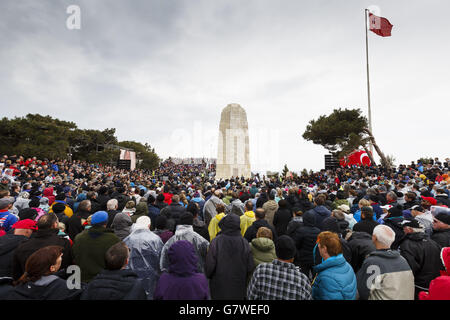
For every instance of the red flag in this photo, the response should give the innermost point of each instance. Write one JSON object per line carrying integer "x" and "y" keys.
{"x": 379, "y": 25}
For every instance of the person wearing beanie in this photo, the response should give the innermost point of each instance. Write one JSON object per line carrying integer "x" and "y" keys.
{"x": 28, "y": 213}
{"x": 61, "y": 198}
{"x": 229, "y": 261}
{"x": 145, "y": 254}
{"x": 280, "y": 279}
{"x": 91, "y": 245}
{"x": 7, "y": 219}
{"x": 185, "y": 231}
{"x": 441, "y": 229}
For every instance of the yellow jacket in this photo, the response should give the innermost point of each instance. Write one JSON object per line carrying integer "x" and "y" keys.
{"x": 247, "y": 220}
{"x": 213, "y": 228}
{"x": 67, "y": 211}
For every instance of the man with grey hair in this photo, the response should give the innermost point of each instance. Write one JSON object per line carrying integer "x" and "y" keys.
{"x": 112, "y": 209}
{"x": 385, "y": 274}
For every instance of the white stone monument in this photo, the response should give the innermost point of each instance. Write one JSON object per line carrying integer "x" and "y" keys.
{"x": 233, "y": 158}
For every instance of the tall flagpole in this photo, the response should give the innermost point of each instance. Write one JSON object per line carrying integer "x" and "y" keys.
{"x": 368, "y": 82}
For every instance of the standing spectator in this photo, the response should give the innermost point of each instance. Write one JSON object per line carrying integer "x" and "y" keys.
{"x": 209, "y": 209}
{"x": 145, "y": 254}
{"x": 441, "y": 229}
{"x": 229, "y": 261}
{"x": 335, "y": 278}
{"x": 199, "y": 226}
{"x": 46, "y": 235}
{"x": 250, "y": 234}
{"x": 39, "y": 282}
{"x": 115, "y": 282}
{"x": 296, "y": 222}
{"x": 173, "y": 212}
{"x": 361, "y": 245}
{"x": 270, "y": 207}
{"x": 161, "y": 229}
{"x": 280, "y": 279}
{"x": 282, "y": 217}
{"x": 247, "y": 219}
{"x": 305, "y": 238}
{"x": 153, "y": 210}
{"x": 320, "y": 211}
{"x": 185, "y": 231}
{"x": 367, "y": 223}
{"x": 263, "y": 247}
{"x": 393, "y": 279}
{"x": 90, "y": 246}
{"x": 422, "y": 254}
{"x": 182, "y": 281}
{"x": 213, "y": 227}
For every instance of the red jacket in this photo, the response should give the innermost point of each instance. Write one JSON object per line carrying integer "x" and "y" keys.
{"x": 168, "y": 198}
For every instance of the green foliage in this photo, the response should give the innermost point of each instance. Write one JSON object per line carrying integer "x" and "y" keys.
{"x": 46, "y": 137}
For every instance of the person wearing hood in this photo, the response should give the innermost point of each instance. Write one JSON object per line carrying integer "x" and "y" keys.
{"x": 43, "y": 204}
{"x": 247, "y": 219}
{"x": 393, "y": 279}
{"x": 182, "y": 281}
{"x": 145, "y": 254}
{"x": 282, "y": 217}
{"x": 440, "y": 286}
{"x": 229, "y": 261}
{"x": 335, "y": 278}
{"x": 422, "y": 254}
{"x": 122, "y": 221}
{"x": 270, "y": 207}
{"x": 115, "y": 281}
{"x": 320, "y": 211}
{"x": 213, "y": 227}
{"x": 141, "y": 210}
{"x": 22, "y": 201}
{"x": 185, "y": 231}
{"x": 39, "y": 281}
{"x": 236, "y": 206}
{"x": 263, "y": 247}
{"x": 23, "y": 230}
{"x": 91, "y": 245}
{"x": 48, "y": 193}
{"x": 305, "y": 238}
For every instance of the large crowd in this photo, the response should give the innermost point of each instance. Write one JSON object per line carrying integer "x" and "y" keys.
{"x": 74, "y": 230}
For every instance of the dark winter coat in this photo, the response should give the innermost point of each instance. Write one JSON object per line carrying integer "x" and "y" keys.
{"x": 442, "y": 237}
{"x": 173, "y": 213}
{"x": 182, "y": 282}
{"x": 365, "y": 225}
{"x": 115, "y": 285}
{"x": 361, "y": 245}
{"x": 46, "y": 288}
{"x": 321, "y": 213}
{"x": 41, "y": 238}
{"x": 281, "y": 220}
{"x": 305, "y": 238}
{"x": 8, "y": 243}
{"x": 229, "y": 261}
{"x": 74, "y": 224}
{"x": 89, "y": 250}
{"x": 423, "y": 256}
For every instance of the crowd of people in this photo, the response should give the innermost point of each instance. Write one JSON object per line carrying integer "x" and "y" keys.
{"x": 176, "y": 233}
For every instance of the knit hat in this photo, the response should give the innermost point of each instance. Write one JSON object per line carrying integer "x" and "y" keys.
{"x": 187, "y": 219}
{"x": 27, "y": 213}
{"x": 99, "y": 217}
{"x": 443, "y": 217}
{"x": 25, "y": 224}
{"x": 58, "y": 207}
{"x": 285, "y": 247}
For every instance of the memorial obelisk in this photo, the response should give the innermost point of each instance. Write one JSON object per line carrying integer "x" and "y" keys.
{"x": 233, "y": 158}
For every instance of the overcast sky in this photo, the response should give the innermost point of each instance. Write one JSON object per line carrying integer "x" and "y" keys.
{"x": 161, "y": 71}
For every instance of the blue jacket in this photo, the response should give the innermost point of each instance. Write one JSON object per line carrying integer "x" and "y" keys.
{"x": 336, "y": 280}
{"x": 7, "y": 219}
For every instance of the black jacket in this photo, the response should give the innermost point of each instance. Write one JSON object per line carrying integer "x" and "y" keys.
{"x": 395, "y": 224}
{"x": 173, "y": 213}
{"x": 305, "y": 238}
{"x": 102, "y": 200}
{"x": 281, "y": 220}
{"x": 115, "y": 285}
{"x": 365, "y": 225}
{"x": 442, "y": 237}
{"x": 250, "y": 234}
{"x": 74, "y": 224}
{"x": 229, "y": 261}
{"x": 40, "y": 239}
{"x": 8, "y": 243}
{"x": 423, "y": 256}
{"x": 443, "y": 198}
{"x": 361, "y": 245}
{"x": 47, "y": 288}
